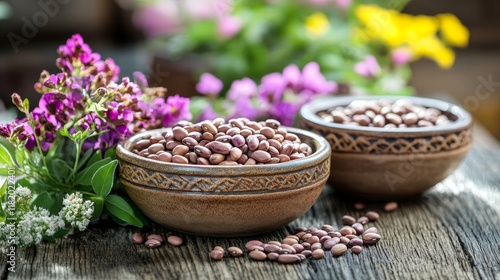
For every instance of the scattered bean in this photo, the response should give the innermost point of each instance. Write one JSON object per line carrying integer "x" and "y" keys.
{"x": 175, "y": 240}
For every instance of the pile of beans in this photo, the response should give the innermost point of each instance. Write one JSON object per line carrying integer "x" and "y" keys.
{"x": 307, "y": 242}
{"x": 311, "y": 242}
{"x": 385, "y": 113}
{"x": 237, "y": 142}
{"x": 156, "y": 240}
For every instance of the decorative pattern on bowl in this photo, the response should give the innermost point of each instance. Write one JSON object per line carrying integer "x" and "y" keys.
{"x": 352, "y": 142}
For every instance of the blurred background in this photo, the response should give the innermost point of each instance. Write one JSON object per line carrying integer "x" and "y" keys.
{"x": 31, "y": 31}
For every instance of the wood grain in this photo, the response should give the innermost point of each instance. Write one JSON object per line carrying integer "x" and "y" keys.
{"x": 450, "y": 232}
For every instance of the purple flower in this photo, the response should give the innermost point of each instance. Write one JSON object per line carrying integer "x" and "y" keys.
{"x": 140, "y": 79}
{"x": 228, "y": 26}
{"x": 368, "y": 67}
{"x": 207, "y": 114}
{"x": 272, "y": 87}
{"x": 244, "y": 108}
{"x": 209, "y": 84}
{"x": 242, "y": 89}
{"x": 293, "y": 77}
{"x": 284, "y": 112}
{"x": 313, "y": 80}
{"x": 177, "y": 110}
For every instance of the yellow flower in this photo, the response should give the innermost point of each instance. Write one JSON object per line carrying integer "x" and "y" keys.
{"x": 453, "y": 31}
{"x": 317, "y": 24}
{"x": 379, "y": 24}
{"x": 434, "y": 49}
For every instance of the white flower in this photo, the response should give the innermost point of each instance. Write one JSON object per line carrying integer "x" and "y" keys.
{"x": 36, "y": 224}
{"x": 76, "y": 211}
{"x": 23, "y": 192}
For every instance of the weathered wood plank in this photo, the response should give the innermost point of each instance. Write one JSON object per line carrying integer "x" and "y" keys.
{"x": 451, "y": 232}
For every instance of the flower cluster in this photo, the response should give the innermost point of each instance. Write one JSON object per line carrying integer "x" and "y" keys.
{"x": 63, "y": 148}
{"x": 77, "y": 211}
{"x": 278, "y": 96}
{"x": 411, "y": 37}
{"x": 33, "y": 224}
{"x": 86, "y": 97}
{"x": 367, "y": 44}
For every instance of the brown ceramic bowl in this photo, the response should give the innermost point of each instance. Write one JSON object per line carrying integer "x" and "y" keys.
{"x": 225, "y": 201}
{"x": 376, "y": 163}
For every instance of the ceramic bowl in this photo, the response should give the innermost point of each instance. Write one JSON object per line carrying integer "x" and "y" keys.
{"x": 378, "y": 164}
{"x": 225, "y": 201}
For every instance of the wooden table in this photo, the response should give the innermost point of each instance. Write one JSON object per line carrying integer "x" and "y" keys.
{"x": 450, "y": 232}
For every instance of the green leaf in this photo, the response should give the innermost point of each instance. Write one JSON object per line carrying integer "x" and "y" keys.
{"x": 98, "y": 206}
{"x": 103, "y": 179}
{"x": 5, "y": 155}
{"x": 43, "y": 200}
{"x": 84, "y": 177}
{"x": 84, "y": 158}
{"x": 119, "y": 208}
{"x": 61, "y": 233}
{"x": 59, "y": 169}
{"x": 111, "y": 153}
{"x": 3, "y": 189}
{"x": 97, "y": 156}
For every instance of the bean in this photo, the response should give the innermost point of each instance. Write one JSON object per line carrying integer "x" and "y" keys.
{"x": 338, "y": 250}
{"x": 180, "y": 150}
{"x": 235, "y": 153}
{"x": 157, "y": 147}
{"x": 372, "y": 216}
{"x": 137, "y": 238}
{"x": 372, "y": 230}
{"x": 358, "y": 228}
{"x": 348, "y": 220}
{"x": 288, "y": 259}
{"x": 238, "y": 141}
{"x": 152, "y": 243}
{"x": 180, "y": 133}
{"x": 356, "y": 242}
{"x": 371, "y": 238}
{"x": 356, "y": 249}
{"x": 155, "y": 236}
{"x": 208, "y": 126}
{"x": 251, "y": 243}
{"x": 390, "y": 206}
{"x": 142, "y": 144}
{"x": 216, "y": 255}
{"x": 235, "y": 251}
{"x": 328, "y": 244}
{"x": 307, "y": 253}
{"x": 257, "y": 255}
{"x": 363, "y": 220}
{"x": 220, "y": 147}
{"x": 180, "y": 159}
{"x": 273, "y": 256}
{"x": 202, "y": 151}
{"x": 318, "y": 254}
{"x": 261, "y": 156}
{"x": 175, "y": 240}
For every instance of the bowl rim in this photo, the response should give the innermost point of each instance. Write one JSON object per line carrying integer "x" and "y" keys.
{"x": 322, "y": 152}
{"x": 464, "y": 119}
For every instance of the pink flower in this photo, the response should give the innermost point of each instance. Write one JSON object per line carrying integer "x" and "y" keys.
{"x": 368, "y": 67}
{"x": 401, "y": 56}
{"x": 228, "y": 26}
{"x": 344, "y": 4}
{"x": 242, "y": 89}
{"x": 209, "y": 84}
